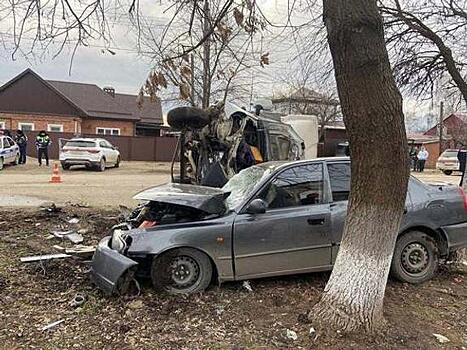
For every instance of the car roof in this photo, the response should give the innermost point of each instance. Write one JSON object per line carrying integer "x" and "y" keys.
{"x": 278, "y": 164}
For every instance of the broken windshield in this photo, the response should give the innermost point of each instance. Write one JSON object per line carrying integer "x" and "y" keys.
{"x": 243, "y": 183}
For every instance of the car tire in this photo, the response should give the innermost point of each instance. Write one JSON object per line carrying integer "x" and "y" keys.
{"x": 447, "y": 172}
{"x": 65, "y": 166}
{"x": 1, "y": 163}
{"x": 168, "y": 271}
{"x": 16, "y": 161}
{"x": 117, "y": 163}
{"x": 415, "y": 258}
{"x": 101, "y": 165}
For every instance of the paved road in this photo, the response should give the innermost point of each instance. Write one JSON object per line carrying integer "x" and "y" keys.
{"x": 26, "y": 185}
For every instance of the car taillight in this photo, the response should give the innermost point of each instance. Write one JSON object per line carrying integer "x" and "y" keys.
{"x": 464, "y": 196}
{"x": 93, "y": 150}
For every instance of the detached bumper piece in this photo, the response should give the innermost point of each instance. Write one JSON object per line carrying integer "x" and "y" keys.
{"x": 457, "y": 236}
{"x": 111, "y": 271}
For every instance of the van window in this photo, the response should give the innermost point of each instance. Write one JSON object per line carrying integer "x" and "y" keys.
{"x": 280, "y": 147}
{"x": 339, "y": 176}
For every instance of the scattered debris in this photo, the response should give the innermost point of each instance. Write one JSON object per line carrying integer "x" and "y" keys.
{"x": 34, "y": 258}
{"x": 61, "y": 234}
{"x": 73, "y": 221}
{"x": 37, "y": 224}
{"x": 312, "y": 331}
{"x": 70, "y": 235}
{"x": 441, "y": 338}
{"x": 81, "y": 250}
{"x": 51, "y": 208}
{"x": 78, "y": 300}
{"x": 75, "y": 238}
{"x": 59, "y": 248}
{"x": 291, "y": 334}
{"x": 83, "y": 231}
{"x": 53, "y": 324}
{"x": 136, "y": 304}
{"x": 247, "y": 286}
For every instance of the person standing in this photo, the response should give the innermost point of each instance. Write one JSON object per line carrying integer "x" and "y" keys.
{"x": 22, "y": 140}
{"x": 413, "y": 158}
{"x": 42, "y": 144}
{"x": 462, "y": 157}
{"x": 422, "y": 157}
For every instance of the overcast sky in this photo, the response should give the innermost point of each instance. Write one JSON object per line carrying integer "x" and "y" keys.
{"x": 126, "y": 71}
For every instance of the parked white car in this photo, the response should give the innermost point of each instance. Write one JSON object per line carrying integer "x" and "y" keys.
{"x": 9, "y": 151}
{"x": 448, "y": 162}
{"x": 93, "y": 153}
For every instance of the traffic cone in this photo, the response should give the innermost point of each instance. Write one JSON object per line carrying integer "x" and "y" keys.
{"x": 55, "y": 178}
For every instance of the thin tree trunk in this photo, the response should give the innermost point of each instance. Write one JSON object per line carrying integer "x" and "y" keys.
{"x": 206, "y": 56}
{"x": 372, "y": 110}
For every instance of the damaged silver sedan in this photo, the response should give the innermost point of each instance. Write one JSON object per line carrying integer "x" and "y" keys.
{"x": 271, "y": 219}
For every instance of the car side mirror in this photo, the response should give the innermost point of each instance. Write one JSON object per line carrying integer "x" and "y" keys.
{"x": 257, "y": 206}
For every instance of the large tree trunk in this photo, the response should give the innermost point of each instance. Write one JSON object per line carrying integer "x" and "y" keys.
{"x": 372, "y": 110}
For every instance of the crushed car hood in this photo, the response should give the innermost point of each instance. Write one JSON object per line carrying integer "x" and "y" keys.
{"x": 208, "y": 199}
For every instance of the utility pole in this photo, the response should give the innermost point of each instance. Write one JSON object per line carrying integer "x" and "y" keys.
{"x": 441, "y": 113}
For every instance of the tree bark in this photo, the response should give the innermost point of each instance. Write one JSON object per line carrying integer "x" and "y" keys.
{"x": 372, "y": 110}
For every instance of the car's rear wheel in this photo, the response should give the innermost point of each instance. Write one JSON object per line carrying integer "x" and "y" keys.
{"x": 181, "y": 271}
{"x": 1, "y": 163}
{"x": 447, "y": 172}
{"x": 101, "y": 166}
{"x": 65, "y": 166}
{"x": 415, "y": 258}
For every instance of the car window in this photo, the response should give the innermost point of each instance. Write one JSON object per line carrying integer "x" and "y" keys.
{"x": 1, "y": 142}
{"x": 6, "y": 143}
{"x": 103, "y": 144}
{"x": 339, "y": 176}
{"x": 80, "y": 143}
{"x": 108, "y": 144}
{"x": 11, "y": 141}
{"x": 449, "y": 154}
{"x": 300, "y": 185}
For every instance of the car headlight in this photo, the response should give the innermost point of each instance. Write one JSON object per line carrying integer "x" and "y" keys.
{"x": 118, "y": 242}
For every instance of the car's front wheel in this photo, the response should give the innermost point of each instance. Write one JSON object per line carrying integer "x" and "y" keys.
{"x": 16, "y": 161}
{"x": 1, "y": 163}
{"x": 117, "y": 163}
{"x": 181, "y": 271}
{"x": 415, "y": 258}
{"x": 447, "y": 172}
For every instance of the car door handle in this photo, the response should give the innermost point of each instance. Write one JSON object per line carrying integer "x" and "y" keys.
{"x": 319, "y": 221}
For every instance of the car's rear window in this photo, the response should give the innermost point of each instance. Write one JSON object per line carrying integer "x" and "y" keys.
{"x": 449, "y": 154}
{"x": 80, "y": 144}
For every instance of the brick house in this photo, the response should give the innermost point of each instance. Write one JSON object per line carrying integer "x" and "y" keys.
{"x": 28, "y": 102}
{"x": 454, "y": 130}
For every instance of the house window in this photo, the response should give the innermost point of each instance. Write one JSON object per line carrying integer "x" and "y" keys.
{"x": 108, "y": 131}
{"x": 2, "y": 125}
{"x": 26, "y": 126}
{"x": 55, "y": 127}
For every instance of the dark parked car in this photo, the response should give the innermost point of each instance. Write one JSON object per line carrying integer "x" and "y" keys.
{"x": 272, "y": 219}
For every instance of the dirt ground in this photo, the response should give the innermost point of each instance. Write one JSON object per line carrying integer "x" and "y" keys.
{"x": 225, "y": 317}
{"x": 25, "y": 185}
{"x": 28, "y": 185}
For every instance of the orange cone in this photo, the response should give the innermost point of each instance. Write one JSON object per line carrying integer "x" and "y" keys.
{"x": 55, "y": 178}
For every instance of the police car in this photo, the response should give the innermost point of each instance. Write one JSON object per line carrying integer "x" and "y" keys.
{"x": 9, "y": 151}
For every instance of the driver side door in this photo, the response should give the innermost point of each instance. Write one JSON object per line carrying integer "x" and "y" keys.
{"x": 292, "y": 236}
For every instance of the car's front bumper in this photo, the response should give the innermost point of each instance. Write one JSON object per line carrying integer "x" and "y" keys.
{"x": 456, "y": 236}
{"x": 110, "y": 270}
